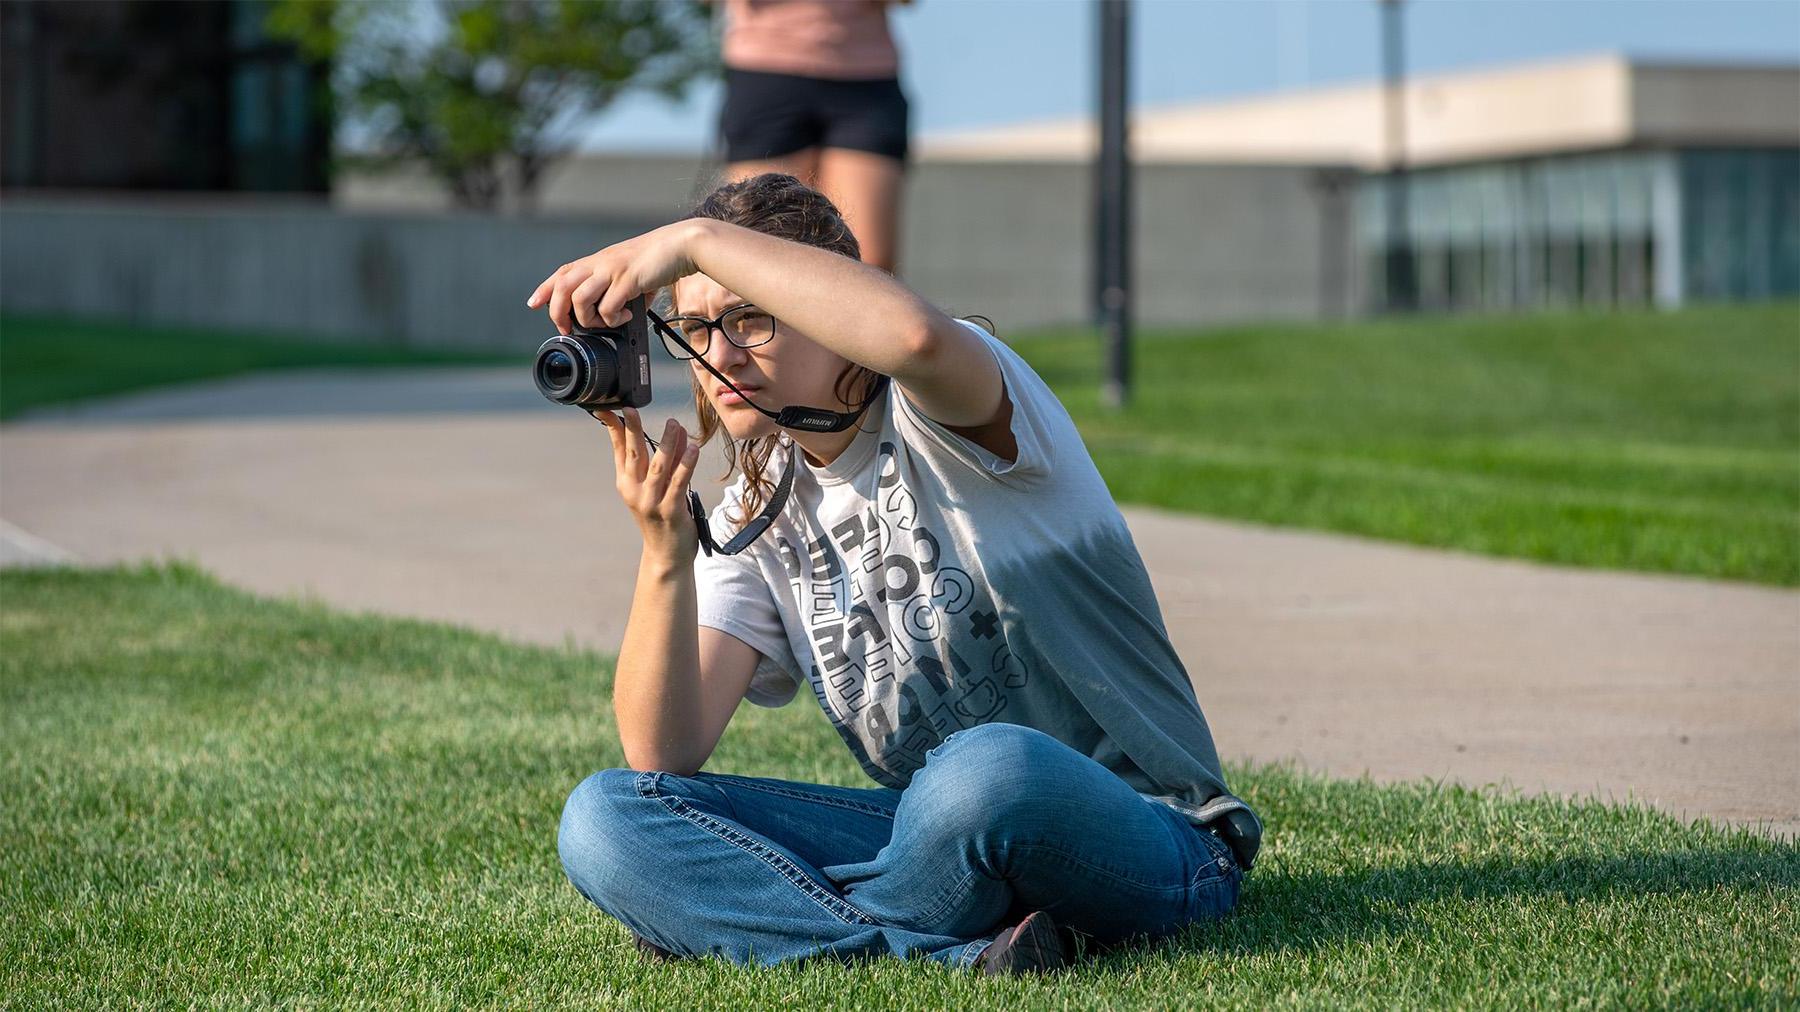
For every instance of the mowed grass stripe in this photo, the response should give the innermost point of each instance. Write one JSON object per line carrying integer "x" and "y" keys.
{"x": 1725, "y": 494}
{"x": 216, "y": 799}
{"x": 1606, "y": 530}
{"x": 1653, "y": 441}
{"x": 45, "y": 361}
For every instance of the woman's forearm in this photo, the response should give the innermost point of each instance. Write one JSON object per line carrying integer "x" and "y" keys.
{"x": 860, "y": 312}
{"x": 656, "y": 689}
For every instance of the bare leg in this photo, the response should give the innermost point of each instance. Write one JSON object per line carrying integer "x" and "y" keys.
{"x": 802, "y": 165}
{"x": 866, "y": 188}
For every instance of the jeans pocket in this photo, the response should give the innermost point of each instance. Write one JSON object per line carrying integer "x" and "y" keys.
{"x": 1216, "y": 855}
{"x": 1214, "y": 889}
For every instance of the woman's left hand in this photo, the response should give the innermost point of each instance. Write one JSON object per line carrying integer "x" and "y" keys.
{"x": 594, "y": 289}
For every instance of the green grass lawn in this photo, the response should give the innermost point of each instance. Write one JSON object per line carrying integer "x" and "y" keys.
{"x": 45, "y": 361}
{"x": 1653, "y": 441}
{"x": 212, "y": 799}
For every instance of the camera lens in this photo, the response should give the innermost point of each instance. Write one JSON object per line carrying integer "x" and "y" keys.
{"x": 559, "y": 369}
{"x": 557, "y": 373}
{"x": 577, "y": 369}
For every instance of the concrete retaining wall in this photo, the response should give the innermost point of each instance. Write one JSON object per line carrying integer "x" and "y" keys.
{"x": 307, "y": 269}
{"x": 1214, "y": 244}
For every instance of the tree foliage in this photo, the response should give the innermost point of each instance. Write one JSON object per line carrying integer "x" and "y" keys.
{"x": 481, "y": 91}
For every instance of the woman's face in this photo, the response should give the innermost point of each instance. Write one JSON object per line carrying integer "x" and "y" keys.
{"x": 790, "y": 369}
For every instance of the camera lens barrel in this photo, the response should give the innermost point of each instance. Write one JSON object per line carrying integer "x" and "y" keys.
{"x": 577, "y": 369}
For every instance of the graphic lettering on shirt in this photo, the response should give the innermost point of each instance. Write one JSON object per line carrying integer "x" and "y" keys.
{"x": 894, "y": 625}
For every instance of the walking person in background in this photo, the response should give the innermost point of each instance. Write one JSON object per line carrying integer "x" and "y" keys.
{"x": 812, "y": 90}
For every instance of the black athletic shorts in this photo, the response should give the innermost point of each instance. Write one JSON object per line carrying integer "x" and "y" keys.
{"x": 768, "y": 115}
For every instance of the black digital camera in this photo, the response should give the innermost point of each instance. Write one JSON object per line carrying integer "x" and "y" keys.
{"x": 594, "y": 368}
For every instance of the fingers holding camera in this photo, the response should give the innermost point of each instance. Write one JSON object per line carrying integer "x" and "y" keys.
{"x": 599, "y": 300}
{"x": 584, "y": 296}
{"x": 654, "y": 486}
{"x": 561, "y": 292}
{"x": 594, "y": 290}
{"x": 615, "y": 433}
{"x": 674, "y": 501}
{"x": 553, "y": 294}
{"x": 658, "y": 501}
{"x": 661, "y": 473}
{"x": 589, "y": 292}
{"x": 637, "y": 451}
{"x": 542, "y": 291}
{"x": 609, "y": 301}
{"x": 666, "y": 482}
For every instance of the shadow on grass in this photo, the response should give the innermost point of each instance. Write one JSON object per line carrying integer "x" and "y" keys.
{"x": 1284, "y": 912}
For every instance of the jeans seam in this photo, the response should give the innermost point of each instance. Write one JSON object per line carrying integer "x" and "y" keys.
{"x": 647, "y": 788}
{"x": 950, "y": 894}
{"x": 855, "y": 806}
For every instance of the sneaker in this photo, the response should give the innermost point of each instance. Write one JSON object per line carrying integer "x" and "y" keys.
{"x": 652, "y": 951}
{"x": 1034, "y": 945}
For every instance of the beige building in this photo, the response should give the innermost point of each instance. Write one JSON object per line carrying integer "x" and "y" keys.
{"x": 1598, "y": 180}
{"x": 1591, "y": 181}
{"x": 1594, "y": 103}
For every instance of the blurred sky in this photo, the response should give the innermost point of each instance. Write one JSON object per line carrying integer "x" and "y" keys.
{"x": 970, "y": 63}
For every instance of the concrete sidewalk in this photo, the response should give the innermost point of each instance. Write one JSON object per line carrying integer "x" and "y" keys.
{"x": 457, "y": 494}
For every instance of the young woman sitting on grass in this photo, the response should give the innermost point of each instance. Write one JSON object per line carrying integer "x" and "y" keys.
{"x": 948, "y": 576}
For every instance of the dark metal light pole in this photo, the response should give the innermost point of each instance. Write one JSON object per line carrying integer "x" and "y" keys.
{"x": 1113, "y": 203}
{"x": 1402, "y": 279}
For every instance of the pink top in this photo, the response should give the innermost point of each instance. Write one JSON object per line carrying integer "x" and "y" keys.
{"x": 846, "y": 40}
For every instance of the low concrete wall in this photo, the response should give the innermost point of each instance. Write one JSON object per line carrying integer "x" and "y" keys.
{"x": 1013, "y": 240}
{"x": 288, "y": 266}
{"x": 1213, "y": 244}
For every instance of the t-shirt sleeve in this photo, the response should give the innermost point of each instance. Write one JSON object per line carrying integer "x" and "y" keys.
{"x": 1035, "y": 410}
{"x": 733, "y": 597}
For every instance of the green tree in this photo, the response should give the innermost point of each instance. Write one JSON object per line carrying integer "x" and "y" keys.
{"x": 481, "y": 91}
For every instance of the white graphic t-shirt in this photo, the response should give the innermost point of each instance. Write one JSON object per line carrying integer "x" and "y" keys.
{"x": 919, "y": 584}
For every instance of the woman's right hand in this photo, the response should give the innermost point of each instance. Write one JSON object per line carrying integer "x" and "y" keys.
{"x": 654, "y": 487}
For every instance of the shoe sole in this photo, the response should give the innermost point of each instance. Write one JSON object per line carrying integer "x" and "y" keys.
{"x": 1035, "y": 946}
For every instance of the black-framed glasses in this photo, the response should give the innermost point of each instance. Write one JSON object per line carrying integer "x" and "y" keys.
{"x": 744, "y": 326}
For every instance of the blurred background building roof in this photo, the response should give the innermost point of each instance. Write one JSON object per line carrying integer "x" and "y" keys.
{"x": 1585, "y": 104}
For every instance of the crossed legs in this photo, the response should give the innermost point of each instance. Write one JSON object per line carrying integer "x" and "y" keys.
{"x": 1001, "y": 820}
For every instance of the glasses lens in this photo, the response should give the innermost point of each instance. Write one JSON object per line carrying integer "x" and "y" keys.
{"x": 748, "y": 326}
{"x": 692, "y": 330}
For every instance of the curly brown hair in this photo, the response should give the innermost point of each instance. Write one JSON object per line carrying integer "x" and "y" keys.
{"x": 781, "y": 206}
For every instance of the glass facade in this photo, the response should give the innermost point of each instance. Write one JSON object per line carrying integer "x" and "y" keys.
{"x": 1740, "y": 223}
{"x": 1591, "y": 230}
{"x": 278, "y": 109}
{"x": 158, "y": 95}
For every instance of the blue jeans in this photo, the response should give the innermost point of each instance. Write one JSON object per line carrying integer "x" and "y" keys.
{"x": 1001, "y": 820}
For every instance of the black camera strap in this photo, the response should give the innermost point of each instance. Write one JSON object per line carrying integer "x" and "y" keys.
{"x": 752, "y": 530}
{"x": 790, "y": 417}
{"x": 748, "y": 533}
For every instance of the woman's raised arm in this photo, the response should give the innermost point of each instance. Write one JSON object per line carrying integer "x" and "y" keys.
{"x": 860, "y": 312}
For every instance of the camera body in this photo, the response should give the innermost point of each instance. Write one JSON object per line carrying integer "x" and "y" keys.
{"x": 596, "y": 368}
